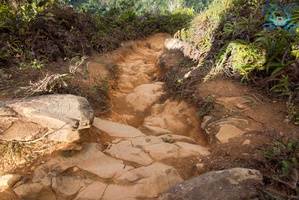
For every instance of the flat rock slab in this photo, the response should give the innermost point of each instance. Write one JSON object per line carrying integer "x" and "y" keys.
{"x": 67, "y": 186}
{"x": 236, "y": 183}
{"x": 144, "y": 96}
{"x": 153, "y": 130}
{"x": 90, "y": 159}
{"x": 145, "y": 150}
{"x": 117, "y": 130}
{"x": 58, "y": 116}
{"x": 34, "y": 191}
{"x": 125, "y": 151}
{"x": 92, "y": 192}
{"x": 221, "y": 130}
{"x": 177, "y": 117}
{"x": 227, "y": 132}
{"x": 150, "y": 182}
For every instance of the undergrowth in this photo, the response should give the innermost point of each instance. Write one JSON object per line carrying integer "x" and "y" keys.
{"x": 56, "y": 31}
{"x": 279, "y": 165}
{"x": 38, "y": 37}
{"x": 236, "y": 38}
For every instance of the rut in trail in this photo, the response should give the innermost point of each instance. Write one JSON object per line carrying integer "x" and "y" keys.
{"x": 137, "y": 95}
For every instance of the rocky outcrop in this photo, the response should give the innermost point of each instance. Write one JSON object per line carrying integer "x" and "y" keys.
{"x": 91, "y": 174}
{"x": 133, "y": 166}
{"x": 236, "y": 183}
{"x": 58, "y": 117}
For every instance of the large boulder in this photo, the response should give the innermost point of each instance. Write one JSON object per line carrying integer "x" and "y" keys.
{"x": 59, "y": 117}
{"x": 236, "y": 184}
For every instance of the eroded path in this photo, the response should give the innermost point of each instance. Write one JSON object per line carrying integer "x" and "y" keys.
{"x": 148, "y": 144}
{"x": 137, "y": 96}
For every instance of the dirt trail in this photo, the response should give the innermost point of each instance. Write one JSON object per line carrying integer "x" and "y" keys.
{"x": 136, "y": 65}
{"x": 137, "y": 95}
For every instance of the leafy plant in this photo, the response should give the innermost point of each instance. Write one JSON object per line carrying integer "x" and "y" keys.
{"x": 166, "y": 140}
{"x": 293, "y": 113}
{"x": 280, "y": 167}
{"x": 68, "y": 153}
{"x": 229, "y": 39}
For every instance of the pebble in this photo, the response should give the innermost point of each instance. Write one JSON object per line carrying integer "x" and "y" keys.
{"x": 75, "y": 169}
{"x": 246, "y": 142}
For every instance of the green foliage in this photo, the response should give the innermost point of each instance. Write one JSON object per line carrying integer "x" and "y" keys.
{"x": 68, "y": 153}
{"x": 166, "y": 140}
{"x": 293, "y": 113}
{"x": 242, "y": 58}
{"x": 117, "y": 7}
{"x": 280, "y": 166}
{"x": 55, "y": 31}
{"x": 229, "y": 38}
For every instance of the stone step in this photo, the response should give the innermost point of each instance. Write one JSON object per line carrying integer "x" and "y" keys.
{"x": 117, "y": 130}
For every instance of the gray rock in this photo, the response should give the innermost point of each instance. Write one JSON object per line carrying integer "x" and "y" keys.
{"x": 67, "y": 186}
{"x": 34, "y": 191}
{"x": 230, "y": 184}
{"x": 59, "y": 117}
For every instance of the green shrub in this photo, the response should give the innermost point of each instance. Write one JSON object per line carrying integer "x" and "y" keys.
{"x": 280, "y": 168}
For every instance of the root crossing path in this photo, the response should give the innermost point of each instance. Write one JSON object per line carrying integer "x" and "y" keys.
{"x": 150, "y": 144}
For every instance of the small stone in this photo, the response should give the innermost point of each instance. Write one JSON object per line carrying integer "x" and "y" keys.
{"x": 227, "y": 132}
{"x": 9, "y": 180}
{"x": 286, "y": 121}
{"x": 199, "y": 166}
{"x": 75, "y": 169}
{"x": 246, "y": 142}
